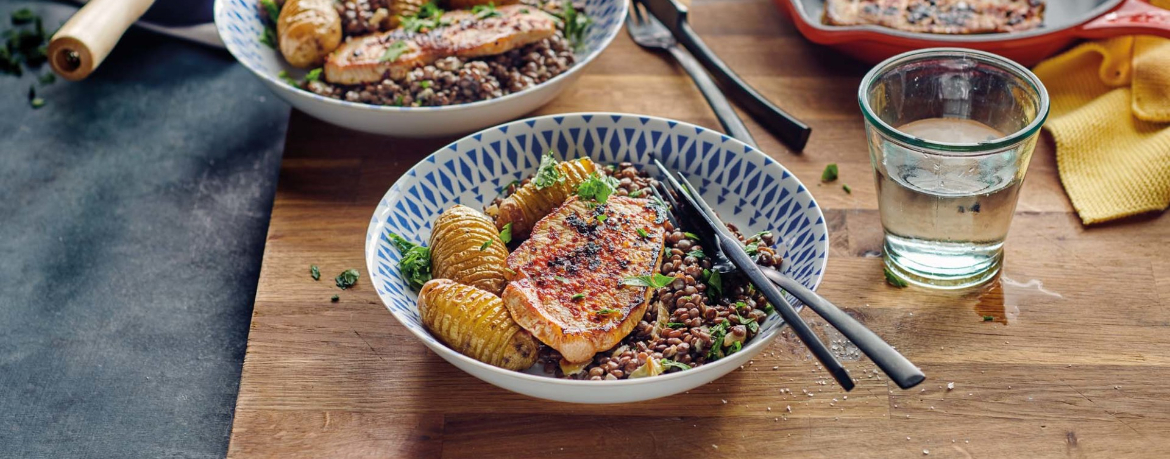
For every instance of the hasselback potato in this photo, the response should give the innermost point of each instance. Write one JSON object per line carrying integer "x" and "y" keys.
{"x": 307, "y": 31}
{"x": 466, "y": 248}
{"x": 529, "y": 203}
{"x": 476, "y": 324}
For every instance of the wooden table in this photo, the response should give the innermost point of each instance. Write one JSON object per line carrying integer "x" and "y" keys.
{"x": 1078, "y": 367}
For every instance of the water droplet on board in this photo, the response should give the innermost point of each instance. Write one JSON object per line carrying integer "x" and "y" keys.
{"x": 1003, "y": 299}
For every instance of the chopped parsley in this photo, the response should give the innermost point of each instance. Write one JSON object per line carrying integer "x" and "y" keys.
{"x": 486, "y": 244}
{"x": 36, "y": 102}
{"x": 752, "y": 246}
{"x": 485, "y": 11}
{"x": 636, "y": 193}
{"x": 429, "y": 17}
{"x": 669, "y": 364}
{"x": 847, "y": 189}
{"x": 698, "y": 254}
{"x": 718, "y": 334}
{"x": 988, "y": 318}
{"x": 393, "y": 51}
{"x": 643, "y": 233}
{"x": 579, "y": 296}
{"x": 768, "y": 308}
{"x": 424, "y": 84}
{"x": 26, "y": 47}
{"x": 893, "y": 279}
{"x": 335, "y": 298}
{"x": 547, "y": 174}
{"x": 313, "y": 75}
{"x": 751, "y": 324}
{"x": 692, "y": 236}
{"x": 562, "y": 279}
{"x": 602, "y": 217}
{"x": 597, "y": 187}
{"x": 605, "y": 311}
{"x": 576, "y": 24}
{"x": 830, "y": 173}
{"x": 22, "y": 16}
{"x": 315, "y": 272}
{"x": 268, "y": 35}
{"x": 735, "y": 347}
{"x": 347, "y": 278}
{"x": 675, "y": 324}
{"x": 415, "y": 264}
{"x": 47, "y": 79}
{"x": 714, "y": 284}
{"x": 506, "y": 233}
{"x": 654, "y": 281}
{"x": 524, "y": 10}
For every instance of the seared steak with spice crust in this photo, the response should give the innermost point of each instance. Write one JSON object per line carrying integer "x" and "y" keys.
{"x": 568, "y": 289}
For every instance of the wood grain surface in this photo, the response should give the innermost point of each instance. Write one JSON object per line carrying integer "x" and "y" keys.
{"x": 1077, "y": 367}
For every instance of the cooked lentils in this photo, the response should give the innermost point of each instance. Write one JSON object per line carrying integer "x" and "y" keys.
{"x": 685, "y": 299}
{"x": 451, "y": 80}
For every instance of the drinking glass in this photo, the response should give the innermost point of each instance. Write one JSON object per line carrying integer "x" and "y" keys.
{"x": 950, "y": 134}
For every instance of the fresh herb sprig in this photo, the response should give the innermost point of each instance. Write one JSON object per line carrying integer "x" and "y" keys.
{"x": 597, "y": 187}
{"x": 415, "y": 264}
{"x": 576, "y": 24}
{"x": 668, "y": 364}
{"x": 547, "y": 174}
{"x": 268, "y": 35}
{"x": 485, "y": 11}
{"x": 347, "y": 278}
{"x": 655, "y": 281}
{"x": 394, "y": 51}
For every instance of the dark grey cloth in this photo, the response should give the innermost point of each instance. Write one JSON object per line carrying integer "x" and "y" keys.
{"x": 133, "y": 212}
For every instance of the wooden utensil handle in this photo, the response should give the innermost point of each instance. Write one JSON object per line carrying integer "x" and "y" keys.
{"x": 80, "y": 46}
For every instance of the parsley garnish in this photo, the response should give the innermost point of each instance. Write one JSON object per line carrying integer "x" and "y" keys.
{"x": 313, "y": 75}
{"x": 893, "y": 279}
{"x": 714, "y": 284}
{"x": 424, "y": 84}
{"x": 272, "y": 8}
{"x": 768, "y": 308}
{"x": 485, "y": 11}
{"x": 335, "y": 298}
{"x": 316, "y": 273}
{"x": 675, "y": 324}
{"x": 605, "y": 311}
{"x": 643, "y": 233}
{"x": 579, "y": 296}
{"x": 268, "y": 36}
{"x": 486, "y": 244}
{"x": 830, "y": 173}
{"x": 655, "y": 281}
{"x": 988, "y": 318}
{"x": 393, "y": 51}
{"x": 23, "y": 16}
{"x": 47, "y": 79}
{"x": 576, "y": 24}
{"x": 429, "y": 17}
{"x": 847, "y": 189}
{"x": 547, "y": 174}
{"x": 692, "y": 236}
{"x": 636, "y": 193}
{"x": 718, "y": 333}
{"x": 415, "y": 264}
{"x": 506, "y": 233}
{"x": 735, "y": 347}
{"x": 751, "y": 324}
{"x": 753, "y": 243}
{"x": 597, "y": 187}
{"x": 347, "y": 278}
{"x": 698, "y": 254}
{"x": 672, "y": 364}
{"x": 601, "y": 217}
{"x": 562, "y": 279}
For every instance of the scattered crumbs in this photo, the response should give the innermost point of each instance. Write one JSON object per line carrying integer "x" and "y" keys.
{"x": 925, "y": 452}
{"x": 714, "y": 446}
{"x": 1117, "y": 387}
{"x": 907, "y": 438}
{"x": 845, "y": 397}
{"x": 335, "y": 298}
{"x": 769, "y": 408}
{"x": 950, "y": 386}
{"x": 725, "y": 402}
{"x": 789, "y": 408}
{"x": 932, "y": 407}
{"x": 895, "y": 406}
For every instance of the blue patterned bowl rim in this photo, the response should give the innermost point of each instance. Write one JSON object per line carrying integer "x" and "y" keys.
{"x": 376, "y": 239}
{"x": 237, "y": 29}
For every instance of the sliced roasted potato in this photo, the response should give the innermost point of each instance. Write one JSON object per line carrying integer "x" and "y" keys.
{"x": 307, "y": 31}
{"x": 476, "y": 324}
{"x": 466, "y": 248}
{"x": 529, "y": 204}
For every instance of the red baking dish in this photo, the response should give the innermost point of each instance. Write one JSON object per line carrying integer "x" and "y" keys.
{"x": 1065, "y": 21}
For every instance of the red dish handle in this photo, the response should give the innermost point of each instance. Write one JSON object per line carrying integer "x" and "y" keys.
{"x": 1133, "y": 17}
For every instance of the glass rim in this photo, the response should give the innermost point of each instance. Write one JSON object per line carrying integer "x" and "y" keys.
{"x": 999, "y": 144}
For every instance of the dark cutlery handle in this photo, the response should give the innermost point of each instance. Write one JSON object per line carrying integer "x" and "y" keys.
{"x": 731, "y": 122}
{"x": 789, "y": 129}
{"x": 903, "y": 372}
{"x": 789, "y": 314}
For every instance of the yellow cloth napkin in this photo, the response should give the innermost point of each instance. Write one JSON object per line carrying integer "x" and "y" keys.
{"x": 1111, "y": 122}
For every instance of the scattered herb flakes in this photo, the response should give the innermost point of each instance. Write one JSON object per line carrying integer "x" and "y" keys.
{"x": 394, "y": 50}
{"x": 714, "y": 284}
{"x": 47, "y": 79}
{"x": 23, "y": 16}
{"x": 268, "y": 35}
{"x": 643, "y": 233}
{"x": 315, "y": 272}
{"x": 485, "y": 11}
{"x": 602, "y": 217}
{"x": 429, "y": 17}
{"x": 347, "y": 278}
{"x": 424, "y": 84}
{"x": 847, "y": 189}
{"x": 575, "y": 24}
{"x": 675, "y": 324}
{"x": 415, "y": 264}
{"x": 636, "y": 193}
{"x": 486, "y": 244}
{"x": 698, "y": 254}
{"x": 272, "y": 8}
{"x": 655, "y": 281}
{"x": 691, "y": 236}
{"x": 597, "y": 187}
{"x": 547, "y": 174}
{"x": 579, "y": 296}
{"x": 559, "y": 278}
{"x": 606, "y": 311}
{"x": 314, "y": 75}
{"x": 335, "y": 298}
{"x": 506, "y": 233}
{"x": 893, "y": 279}
{"x": 768, "y": 308}
{"x": 37, "y": 102}
{"x": 668, "y": 364}
{"x": 988, "y": 318}
{"x": 830, "y": 173}
{"x": 283, "y": 75}
{"x": 751, "y": 324}
{"x": 735, "y": 347}
{"x": 718, "y": 334}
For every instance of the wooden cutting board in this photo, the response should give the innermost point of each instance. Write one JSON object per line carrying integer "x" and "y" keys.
{"x": 1074, "y": 362}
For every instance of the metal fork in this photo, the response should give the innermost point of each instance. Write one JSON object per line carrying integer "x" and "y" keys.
{"x": 690, "y": 210}
{"x": 649, "y": 33}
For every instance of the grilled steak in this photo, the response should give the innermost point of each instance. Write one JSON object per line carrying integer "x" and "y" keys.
{"x": 392, "y": 54}
{"x": 568, "y": 290}
{"x": 938, "y": 16}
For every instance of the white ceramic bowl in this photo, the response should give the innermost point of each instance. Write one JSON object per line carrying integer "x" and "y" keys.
{"x": 744, "y": 186}
{"x": 240, "y": 25}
